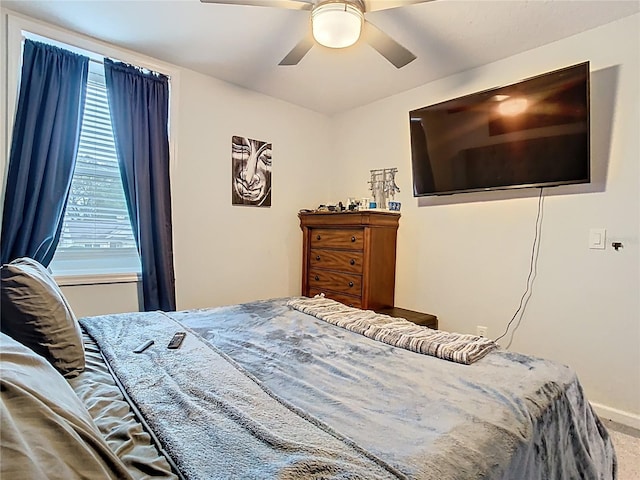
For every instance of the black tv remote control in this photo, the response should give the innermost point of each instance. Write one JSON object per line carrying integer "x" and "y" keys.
{"x": 177, "y": 339}
{"x": 144, "y": 346}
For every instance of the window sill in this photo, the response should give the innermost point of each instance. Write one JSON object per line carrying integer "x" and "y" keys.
{"x": 96, "y": 279}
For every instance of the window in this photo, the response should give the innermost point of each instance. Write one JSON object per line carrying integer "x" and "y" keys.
{"x": 96, "y": 234}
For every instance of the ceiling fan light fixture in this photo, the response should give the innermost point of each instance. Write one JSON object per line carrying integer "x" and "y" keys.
{"x": 336, "y": 24}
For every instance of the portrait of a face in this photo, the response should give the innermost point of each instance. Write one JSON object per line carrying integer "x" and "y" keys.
{"x": 251, "y": 172}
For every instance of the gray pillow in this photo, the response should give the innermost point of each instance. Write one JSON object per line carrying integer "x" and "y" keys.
{"x": 36, "y": 314}
{"x": 47, "y": 432}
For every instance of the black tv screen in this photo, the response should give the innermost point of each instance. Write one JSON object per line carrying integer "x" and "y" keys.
{"x": 534, "y": 133}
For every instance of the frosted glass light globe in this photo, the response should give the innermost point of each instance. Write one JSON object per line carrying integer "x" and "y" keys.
{"x": 336, "y": 25}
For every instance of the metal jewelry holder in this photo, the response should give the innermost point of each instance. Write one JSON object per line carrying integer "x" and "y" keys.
{"x": 383, "y": 185}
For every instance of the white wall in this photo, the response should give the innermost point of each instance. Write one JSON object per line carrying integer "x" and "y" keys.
{"x": 223, "y": 254}
{"x": 87, "y": 300}
{"x": 226, "y": 254}
{"x": 465, "y": 258}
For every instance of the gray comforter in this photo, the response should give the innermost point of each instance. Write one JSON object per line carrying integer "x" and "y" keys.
{"x": 275, "y": 393}
{"x": 213, "y": 419}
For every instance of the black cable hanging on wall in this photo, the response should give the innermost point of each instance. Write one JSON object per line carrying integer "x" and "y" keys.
{"x": 535, "y": 249}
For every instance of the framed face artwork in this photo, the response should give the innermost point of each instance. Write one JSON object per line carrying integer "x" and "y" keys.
{"x": 251, "y": 172}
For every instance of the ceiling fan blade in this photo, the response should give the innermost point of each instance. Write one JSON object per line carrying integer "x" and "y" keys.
{"x": 374, "y": 5}
{"x": 290, "y": 4}
{"x": 387, "y": 46}
{"x": 299, "y": 51}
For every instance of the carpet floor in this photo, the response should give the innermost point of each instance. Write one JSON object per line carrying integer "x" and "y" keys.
{"x": 626, "y": 441}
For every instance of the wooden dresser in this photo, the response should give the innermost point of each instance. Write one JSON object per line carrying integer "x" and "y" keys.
{"x": 350, "y": 257}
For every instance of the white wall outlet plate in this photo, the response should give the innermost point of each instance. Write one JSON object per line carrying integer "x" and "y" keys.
{"x": 597, "y": 238}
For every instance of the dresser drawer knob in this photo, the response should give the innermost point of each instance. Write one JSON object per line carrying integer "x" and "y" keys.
{"x": 318, "y": 257}
{"x": 351, "y": 284}
{"x": 353, "y": 239}
{"x": 352, "y": 261}
{"x": 318, "y": 237}
{"x": 317, "y": 278}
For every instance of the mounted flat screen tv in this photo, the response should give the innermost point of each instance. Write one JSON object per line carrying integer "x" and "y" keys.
{"x": 534, "y": 133}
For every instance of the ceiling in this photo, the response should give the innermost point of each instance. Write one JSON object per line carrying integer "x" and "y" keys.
{"x": 243, "y": 44}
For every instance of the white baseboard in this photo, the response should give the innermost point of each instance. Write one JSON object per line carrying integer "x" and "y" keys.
{"x": 626, "y": 418}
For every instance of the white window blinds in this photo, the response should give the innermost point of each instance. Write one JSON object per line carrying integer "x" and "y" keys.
{"x": 96, "y": 234}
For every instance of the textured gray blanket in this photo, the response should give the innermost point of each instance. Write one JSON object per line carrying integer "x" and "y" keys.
{"x": 212, "y": 418}
{"x": 456, "y": 347}
{"x": 506, "y": 416}
{"x": 365, "y": 409}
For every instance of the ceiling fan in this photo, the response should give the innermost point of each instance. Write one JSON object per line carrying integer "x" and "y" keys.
{"x": 339, "y": 24}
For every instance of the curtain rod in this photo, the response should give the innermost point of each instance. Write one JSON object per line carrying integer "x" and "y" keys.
{"x": 93, "y": 57}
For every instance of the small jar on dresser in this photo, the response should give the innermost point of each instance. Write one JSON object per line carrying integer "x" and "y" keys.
{"x": 350, "y": 257}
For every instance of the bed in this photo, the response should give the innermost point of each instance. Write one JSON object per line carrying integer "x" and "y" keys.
{"x": 285, "y": 388}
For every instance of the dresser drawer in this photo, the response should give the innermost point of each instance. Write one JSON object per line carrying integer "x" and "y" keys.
{"x": 348, "y": 300}
{"x": 335, "y": 281}
{"x": 345, "y": 261}
{"x": 347, "y": 238}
